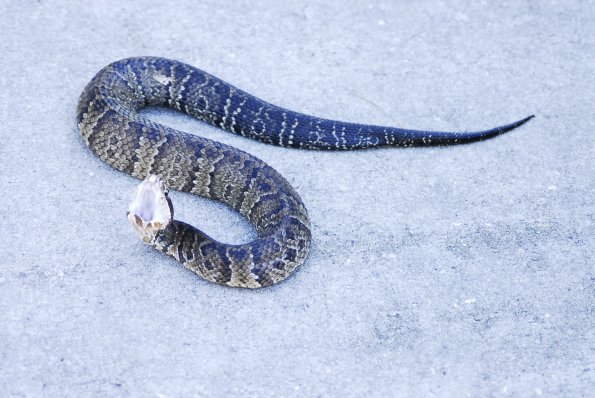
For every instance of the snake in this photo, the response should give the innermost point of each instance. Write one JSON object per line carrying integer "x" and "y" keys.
{"x": 165, "y": 158}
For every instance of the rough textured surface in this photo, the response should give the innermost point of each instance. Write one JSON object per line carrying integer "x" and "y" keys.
{"x": 111, "y": 125}
{"x": 470, "y": 274}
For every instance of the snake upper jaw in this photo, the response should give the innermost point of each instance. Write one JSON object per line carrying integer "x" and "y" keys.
{"x": 150, "y": 210}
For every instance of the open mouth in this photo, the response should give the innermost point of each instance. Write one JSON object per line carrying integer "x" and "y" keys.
{"x": 150, "y": 209}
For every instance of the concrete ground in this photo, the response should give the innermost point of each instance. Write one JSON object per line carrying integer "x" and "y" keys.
{"x": 456, "y": 271}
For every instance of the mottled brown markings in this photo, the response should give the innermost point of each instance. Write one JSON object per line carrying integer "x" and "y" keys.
{"x": 146, "y": 153}
{"x": 207, "y": 162}
{"x": 112, "y": 128}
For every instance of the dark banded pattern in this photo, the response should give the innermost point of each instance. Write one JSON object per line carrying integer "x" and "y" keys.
{"x": 112, "y": 128}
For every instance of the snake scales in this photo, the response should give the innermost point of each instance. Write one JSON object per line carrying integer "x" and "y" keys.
{"x": 112, "y": 128}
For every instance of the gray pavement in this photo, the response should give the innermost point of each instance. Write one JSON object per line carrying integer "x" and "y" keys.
{"x": 456, "y": 271}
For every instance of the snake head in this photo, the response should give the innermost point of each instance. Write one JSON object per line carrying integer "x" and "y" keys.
{"x": 150, "y": 210}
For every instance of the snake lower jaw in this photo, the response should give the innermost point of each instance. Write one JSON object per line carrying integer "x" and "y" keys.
{"x": 150, "y": 210}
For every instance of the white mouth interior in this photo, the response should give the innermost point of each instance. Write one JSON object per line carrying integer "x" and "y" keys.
{"x": 145, "y": 205}
{"x": 149, "y": 210}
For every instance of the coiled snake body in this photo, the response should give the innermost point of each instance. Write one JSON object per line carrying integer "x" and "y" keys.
{"x": 112, "y": 128}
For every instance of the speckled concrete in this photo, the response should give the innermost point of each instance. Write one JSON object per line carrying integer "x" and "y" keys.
{"x": 459, "y": 271}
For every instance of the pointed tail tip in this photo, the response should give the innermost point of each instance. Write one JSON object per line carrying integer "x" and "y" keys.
{"x": 517, "y": 124}
{"x": 503, "y": 129}
{"x": 525, "y": 120}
